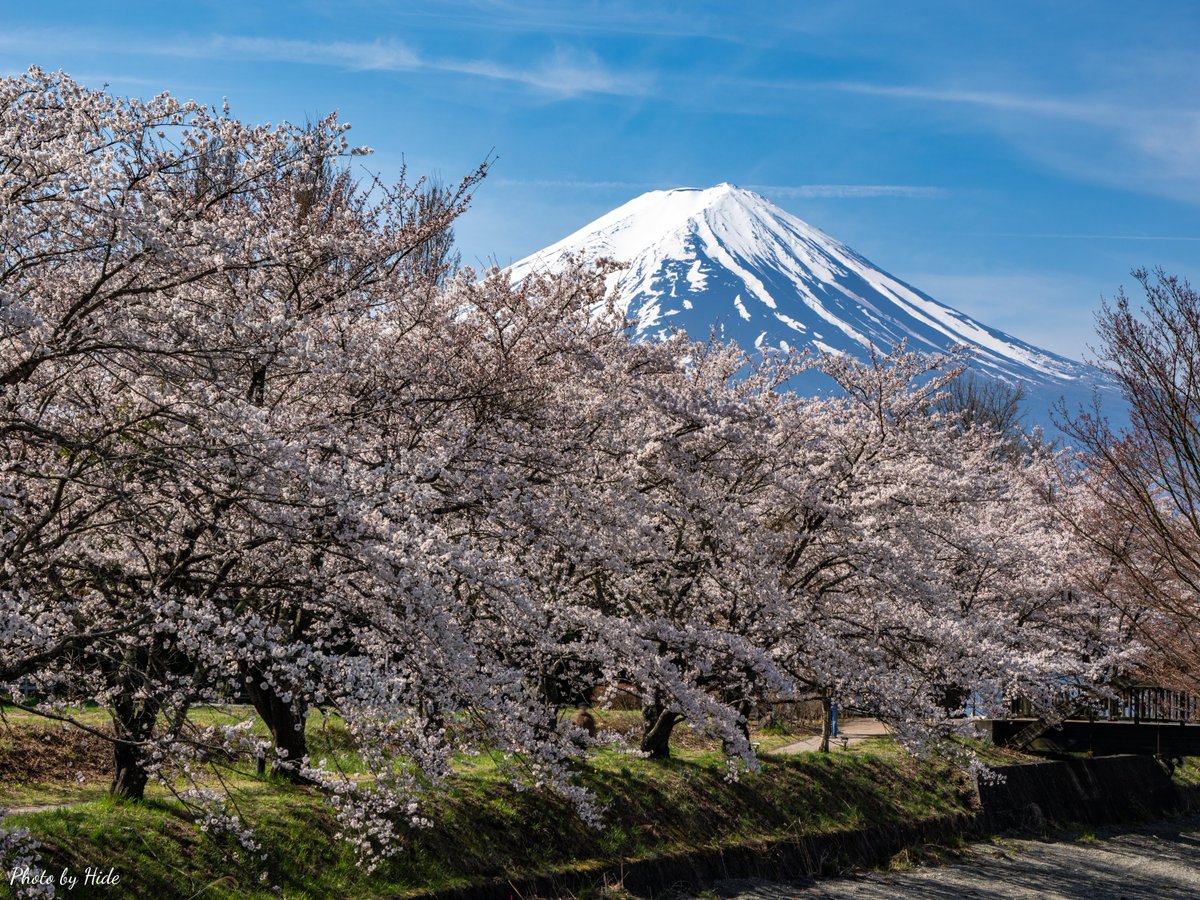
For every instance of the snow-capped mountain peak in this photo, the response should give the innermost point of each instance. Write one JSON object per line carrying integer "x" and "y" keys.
{"x": 727, "y": 258}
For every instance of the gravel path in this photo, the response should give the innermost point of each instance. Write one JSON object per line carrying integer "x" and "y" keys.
{"x": 1157, "y": 862}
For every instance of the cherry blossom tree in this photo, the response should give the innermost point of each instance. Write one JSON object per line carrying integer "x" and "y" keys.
{"x": 177, "y": 287}
{"x": 257, "y": 439}
{"x": 925, "y": 562}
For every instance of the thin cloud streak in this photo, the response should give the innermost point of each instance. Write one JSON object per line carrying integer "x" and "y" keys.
{"x": 377, "y": 55}
{"x": 851, "y": 191}
{"x": 580, "y": 18}
{"x": 824, "y": 191}
{"x": 1084, "y": 237}
{"x": 1128, "y": 116}
{"x": 1074, "y": 109}
{"x": 1121, "y": 142}
{"x": 569, "y": 184}
{"x": 564, "y": 74}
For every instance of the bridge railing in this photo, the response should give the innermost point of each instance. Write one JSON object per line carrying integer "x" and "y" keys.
{"x": 1132, "y": 704}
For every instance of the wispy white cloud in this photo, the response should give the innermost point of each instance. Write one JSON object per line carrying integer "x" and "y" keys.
{"x": 373, "y": 55}
{"x": 586, "y": 17}
{"x": 850, "y": 191}
{"x": 1118, "y": 139}
{"x": 1067, "y": 236}
{"x": 1085, "y": 110}
{"x": 828, "y": 191}
{"x": 566, "y": 72}
{"x": 577, "y": 184}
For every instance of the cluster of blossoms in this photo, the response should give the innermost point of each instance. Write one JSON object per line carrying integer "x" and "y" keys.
{"x": 256, "y": 441}
{"x": 21, "y": 865}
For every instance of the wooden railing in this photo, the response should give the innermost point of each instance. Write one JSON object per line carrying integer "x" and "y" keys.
{"x": 1133, "y": 704}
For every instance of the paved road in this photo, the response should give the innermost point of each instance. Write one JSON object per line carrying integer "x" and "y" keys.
{"x": 1158, "y": 862}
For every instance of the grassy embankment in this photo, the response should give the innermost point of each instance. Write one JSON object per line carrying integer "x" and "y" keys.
{"x": 483, "y": 828}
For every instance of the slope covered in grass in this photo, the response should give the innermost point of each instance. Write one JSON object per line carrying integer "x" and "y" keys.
{"x": 484, "y": 829}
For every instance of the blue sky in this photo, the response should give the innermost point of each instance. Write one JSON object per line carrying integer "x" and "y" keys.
{"x": 1016, "y": 160}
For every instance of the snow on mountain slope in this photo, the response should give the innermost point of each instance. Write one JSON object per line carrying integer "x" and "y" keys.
{"x": 726, "y": 258}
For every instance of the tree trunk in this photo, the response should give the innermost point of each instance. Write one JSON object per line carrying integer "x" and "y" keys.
{"x": 133, "y": 725}
{"x": 285, "y": 721}
{"x": 826, "y": 722}
{"x": 657, "y": 724}
{"x": 129, "y": 771}
{"x": 952, "y": 700}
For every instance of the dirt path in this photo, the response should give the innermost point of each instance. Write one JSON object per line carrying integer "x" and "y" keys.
{"x": 37, "y": 807}
{"x": 850, "y": 731}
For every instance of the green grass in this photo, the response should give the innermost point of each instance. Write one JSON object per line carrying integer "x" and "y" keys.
{"x": 991, "y": 755}
{"x": 64, "y": 765}
{"x": 485, "y": 829}
{"x": 89, "y": 715}
{"x": 49, "y": 793}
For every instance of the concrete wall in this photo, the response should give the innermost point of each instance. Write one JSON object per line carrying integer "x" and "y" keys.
{"x": 1105, "y": 738}
{"x": 1097, "y": 791}
{"x": 1105, "y": 790}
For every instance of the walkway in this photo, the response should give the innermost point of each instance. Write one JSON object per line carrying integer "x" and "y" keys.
{"x": 850, "y": 731}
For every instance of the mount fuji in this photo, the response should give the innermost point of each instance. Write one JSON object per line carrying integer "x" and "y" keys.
{"x": 724, "y": 258}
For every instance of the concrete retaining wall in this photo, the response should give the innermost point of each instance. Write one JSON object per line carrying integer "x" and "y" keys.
{"x": 1097, "y": 791}
{"x": 1104, "y": 790}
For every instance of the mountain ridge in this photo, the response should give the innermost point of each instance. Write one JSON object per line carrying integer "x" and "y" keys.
{"x": 726, "y": 258}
